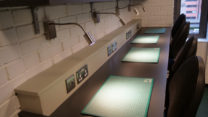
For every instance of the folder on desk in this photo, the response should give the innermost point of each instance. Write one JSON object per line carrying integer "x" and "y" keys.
{"x": 121, "y": 96}
{"x": 155, "y": 31}
{"x": 146, "y": 39}
{"x": 144, "y": 55}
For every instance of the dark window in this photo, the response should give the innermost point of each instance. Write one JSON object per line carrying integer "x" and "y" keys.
{"x": 191, "y": 12}
{"x": 188, "y": 11}
{"x": 191, "y": 0}
{"x": 190, "y": 17}
{"x": 191, "y": 5}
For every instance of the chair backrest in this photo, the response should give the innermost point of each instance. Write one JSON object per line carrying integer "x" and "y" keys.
{"x": 186, "y": 88}
{"x": 179, "y": 40}
{"x": 179, "y": 21}
{"x": 188, "y": 50}
{"x": 199, "y": 90}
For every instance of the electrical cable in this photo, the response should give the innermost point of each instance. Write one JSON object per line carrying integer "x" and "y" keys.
{"x": 52, "y": 23}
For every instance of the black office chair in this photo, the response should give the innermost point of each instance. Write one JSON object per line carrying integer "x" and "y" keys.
{"x": 179, "y": 40}
{"x": 188, "y": 50}
{"x": 179, "y": 21}
{"x": 186, "y": 88}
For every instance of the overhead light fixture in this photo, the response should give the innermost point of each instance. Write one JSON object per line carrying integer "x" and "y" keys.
{"x": 50, "y": 31}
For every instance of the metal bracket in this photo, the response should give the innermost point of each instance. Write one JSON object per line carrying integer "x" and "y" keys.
{"x": 94, "y": 15}
{"x": 35, "y": 20}
{"x": 117, "y": 8}
{"x": 129, "y": 6}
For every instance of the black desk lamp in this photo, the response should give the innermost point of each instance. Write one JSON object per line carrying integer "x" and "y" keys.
{"x": 95, "y": 14}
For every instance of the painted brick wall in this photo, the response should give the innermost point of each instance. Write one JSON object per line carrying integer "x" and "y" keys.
{"x": 158, "y": 13}
{"x": 24, "y": 54}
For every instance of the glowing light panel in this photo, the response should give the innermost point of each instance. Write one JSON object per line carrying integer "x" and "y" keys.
{"x": 146, "y": 39}
{"x": 155, "y": 31}
{"x": 121, "y": 97}
{"x": 147, "y": 55}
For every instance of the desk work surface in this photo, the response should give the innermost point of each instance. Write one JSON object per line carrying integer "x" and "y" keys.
{"x": 121, "y": 96}
{"x": 74, "y": 105}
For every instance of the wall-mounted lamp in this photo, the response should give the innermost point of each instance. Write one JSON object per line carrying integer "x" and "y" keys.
{"x": 136, "y": 11}
{"x": 50, "y": 31}
{"x": 96, "y": 17}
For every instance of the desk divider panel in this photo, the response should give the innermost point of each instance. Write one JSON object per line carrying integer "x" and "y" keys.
{"x": 121, "y": 96}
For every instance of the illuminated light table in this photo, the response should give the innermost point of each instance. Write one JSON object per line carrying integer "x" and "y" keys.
{"x": 155, "y": 31}
{"x": 146, "y": 39}
{"x": 146, "y": 55}
{"x": 121, "y": 96}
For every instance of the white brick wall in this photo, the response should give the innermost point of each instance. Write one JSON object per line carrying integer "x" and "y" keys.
{"x": 9, "y": 107}
{"x": 30, "y": 59}
{"x": 24, "y": 54}
{"x": 30, "y": 46}
{"x": 8, "y": 37}
{"x": 157, "y": 13}
{"x": 22, "y": 17}
{"x": 3, "y": 76}
{"x": 54, "y": 12}
{"x": 6, "y": 19}
{"x": 15, "y": 68}
{"x": 8, "y": 53}
{"x": 22, "y": 36}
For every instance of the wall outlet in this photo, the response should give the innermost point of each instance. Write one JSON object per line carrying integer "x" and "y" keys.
{"x": 114, "y": 46}
{"x": 82, "y": 73}
{"x": 128, "y": 34}
{"x": 111, "y": 48}
{"x": 70, "y": 83}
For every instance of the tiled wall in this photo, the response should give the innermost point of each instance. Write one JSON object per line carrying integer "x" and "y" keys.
{"x": 24, "y": 54}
